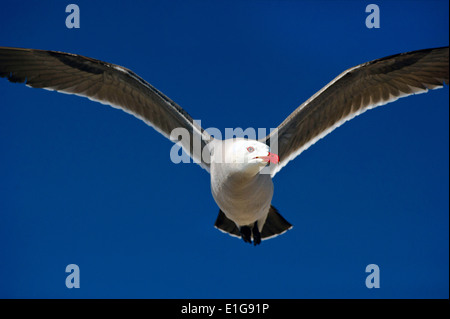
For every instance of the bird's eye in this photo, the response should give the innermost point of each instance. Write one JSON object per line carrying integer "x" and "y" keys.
{"x": 250, "y": 149}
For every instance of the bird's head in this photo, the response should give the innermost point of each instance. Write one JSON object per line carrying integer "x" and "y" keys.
{"x": 244, "y": 155}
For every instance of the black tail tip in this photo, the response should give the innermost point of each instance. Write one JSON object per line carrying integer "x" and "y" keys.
{"x": 274, "y": 225}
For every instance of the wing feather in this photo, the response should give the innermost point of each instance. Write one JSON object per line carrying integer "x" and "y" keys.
{"x": 105, "y": 83}
{"x": 355, "y": 91}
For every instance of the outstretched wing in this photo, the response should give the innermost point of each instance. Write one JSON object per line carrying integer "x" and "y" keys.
{"x": 105, "y": 83}
{"x": 355, "y": 91}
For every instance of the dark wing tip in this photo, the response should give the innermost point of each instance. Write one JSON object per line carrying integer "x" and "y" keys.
{"x": 12, "y": 77}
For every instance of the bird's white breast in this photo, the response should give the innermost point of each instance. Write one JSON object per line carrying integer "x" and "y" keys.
{"x": 244, "y": 199}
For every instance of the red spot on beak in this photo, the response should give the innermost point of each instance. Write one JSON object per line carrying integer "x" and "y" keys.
{"x": 271, "y": 158}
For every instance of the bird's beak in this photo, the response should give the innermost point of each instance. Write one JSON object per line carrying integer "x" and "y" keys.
{"x": 271, "y": 158}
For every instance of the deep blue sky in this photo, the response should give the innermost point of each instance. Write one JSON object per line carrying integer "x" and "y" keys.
{"x": 87, "y": 184}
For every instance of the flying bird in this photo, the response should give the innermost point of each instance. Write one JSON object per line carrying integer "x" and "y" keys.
{"x": 241, "y": 169}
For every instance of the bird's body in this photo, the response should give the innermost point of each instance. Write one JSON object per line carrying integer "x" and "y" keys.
{"x": 242, "y": 197}
{"x": 240, "y": 191}
{"x": 241, "y": 169}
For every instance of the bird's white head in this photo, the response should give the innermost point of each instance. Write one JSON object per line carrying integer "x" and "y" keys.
{"x": 241, "y": 155}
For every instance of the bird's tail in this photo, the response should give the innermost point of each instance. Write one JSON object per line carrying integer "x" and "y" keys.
{"x": 275, "y": 225}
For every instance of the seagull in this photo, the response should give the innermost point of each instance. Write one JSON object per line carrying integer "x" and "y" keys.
{"x": 241, "y": 169}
